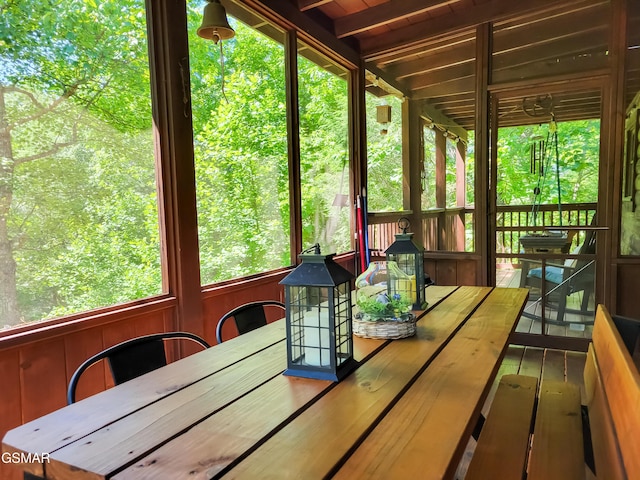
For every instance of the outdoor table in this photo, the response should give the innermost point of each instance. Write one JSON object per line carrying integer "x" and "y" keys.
{"x": 407, "y": 411}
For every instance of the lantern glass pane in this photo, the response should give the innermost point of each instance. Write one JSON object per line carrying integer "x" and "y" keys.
{"x": 342, "y": 296}
{"x": 402, "y": 275}
{"x": 310, "y": 326}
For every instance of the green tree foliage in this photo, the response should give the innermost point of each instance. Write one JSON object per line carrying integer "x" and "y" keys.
{"x": 384, "y": 157}
{"x": 324, "y": 158}
{"x": 78, "y": 208}
{"x": 578, "y": 154}
{"x": 240, "y": 141}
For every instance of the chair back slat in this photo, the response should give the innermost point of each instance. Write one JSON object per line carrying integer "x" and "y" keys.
{"x": 129, "y": 363}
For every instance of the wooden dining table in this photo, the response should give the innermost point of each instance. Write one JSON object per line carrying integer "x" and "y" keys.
{"x": 407, "y": 411}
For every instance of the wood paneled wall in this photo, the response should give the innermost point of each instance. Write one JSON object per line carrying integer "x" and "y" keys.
{"x": 35, "y": 368}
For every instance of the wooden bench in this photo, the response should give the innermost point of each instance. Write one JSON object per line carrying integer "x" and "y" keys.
{"x": 543, "y": 433}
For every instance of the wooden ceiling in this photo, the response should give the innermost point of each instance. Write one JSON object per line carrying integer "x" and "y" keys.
{"x": 427, "y": 50}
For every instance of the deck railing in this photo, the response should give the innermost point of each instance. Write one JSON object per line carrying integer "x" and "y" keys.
{"x": 456, "y": 236}
{"x": 512, "y": 221}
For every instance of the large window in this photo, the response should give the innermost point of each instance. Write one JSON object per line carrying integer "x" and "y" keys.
{"x": 78, "y": 203}
{"x": 384, "y": 153}
{"x": 324, "y": 152}
{"x": 240, "y": 144}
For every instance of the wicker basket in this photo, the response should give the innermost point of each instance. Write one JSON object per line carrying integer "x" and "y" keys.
{"x": 386, "y": 329}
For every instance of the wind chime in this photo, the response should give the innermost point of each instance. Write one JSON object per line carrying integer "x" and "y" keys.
{"x": 541, "y": 153}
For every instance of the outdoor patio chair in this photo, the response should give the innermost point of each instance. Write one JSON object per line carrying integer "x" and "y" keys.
{"x": 561, "y": 281}
{"x": 132, "y": 358}
{"x": 247, "y": 317}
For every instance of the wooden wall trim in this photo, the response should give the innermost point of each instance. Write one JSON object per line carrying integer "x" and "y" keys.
{"x": 357, "y": 142}
{"x": 45, "y": 331}
{"x": 290, "y": 17}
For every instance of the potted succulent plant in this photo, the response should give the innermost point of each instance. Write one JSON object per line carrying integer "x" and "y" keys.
{"x": 383, "y": 307}
{"x": 382, "y": 316}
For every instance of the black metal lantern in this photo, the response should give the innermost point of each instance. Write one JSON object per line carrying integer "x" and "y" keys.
{"x": 405, "y": 266}
{"x": 318, "y": 318}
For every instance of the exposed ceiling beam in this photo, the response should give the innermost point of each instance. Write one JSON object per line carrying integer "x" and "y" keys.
{"x": 413, "y": 35}
{"x": 383, "y": 14}
{"x": 309, "y": 4}
{"x": 292, "y": 17}
{"x": 439, "y": 118}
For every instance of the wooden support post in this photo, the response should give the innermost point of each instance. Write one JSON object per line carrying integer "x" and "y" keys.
{"x": 412, "y": 157}
{"x": 174, "y": 151}
{"x": 461, "y": 194}
{"x": 293, "y": 143}
{"x": 441, "y": 186}
{"x": 481, "y": 191}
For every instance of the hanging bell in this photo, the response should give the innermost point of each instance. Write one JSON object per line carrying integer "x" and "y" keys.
{"x": 215, "y": 25}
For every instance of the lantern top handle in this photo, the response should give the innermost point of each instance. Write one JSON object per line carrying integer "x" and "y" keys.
{"x": 404, "y": 224}
{"x": 315, "y": 249}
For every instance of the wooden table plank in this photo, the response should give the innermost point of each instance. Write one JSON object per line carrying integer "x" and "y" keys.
{"x": 252, "y": 417}
{"x": 321, "y": 435}
{"x": 108, "y": 449}
{"x": 89, "y": 415}
{"x": 424, "y": 435}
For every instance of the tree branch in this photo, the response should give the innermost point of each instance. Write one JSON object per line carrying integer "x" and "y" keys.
{"x": 26, "y": 93}
{"x": 55, "y": 148}
{"x": 43, "y": 110}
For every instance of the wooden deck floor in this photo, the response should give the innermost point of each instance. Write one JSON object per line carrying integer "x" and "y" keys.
{"x": 576, "y": 325}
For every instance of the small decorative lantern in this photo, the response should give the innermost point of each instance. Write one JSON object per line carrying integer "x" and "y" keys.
{"x": 405, "y": 265}
{"x": 318, "y": 318}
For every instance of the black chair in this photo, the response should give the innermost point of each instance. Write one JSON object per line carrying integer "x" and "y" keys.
{"x": 132, "y": 358}
{"x": 247, "y": 317}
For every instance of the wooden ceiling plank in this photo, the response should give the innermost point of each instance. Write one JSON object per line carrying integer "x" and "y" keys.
{"x": 460, "y": 54}
{"x": 384, "y": 14}
{"x": 290, "y": 16}
{"x": 568, "y": 66}
{"x": 495, "y": 10}
{"x": 463, "y": 85}
{"x": 553, "y": 29}
{"x": 462, "y": 70}
{"x": 435, "y": 45}
{"x": 579, "y": 44}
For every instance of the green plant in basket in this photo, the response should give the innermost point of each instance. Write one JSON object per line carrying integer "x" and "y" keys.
{"x": 383, "y": 307}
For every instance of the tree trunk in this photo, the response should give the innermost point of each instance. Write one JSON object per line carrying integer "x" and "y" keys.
{"x": 9, "y": 312}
